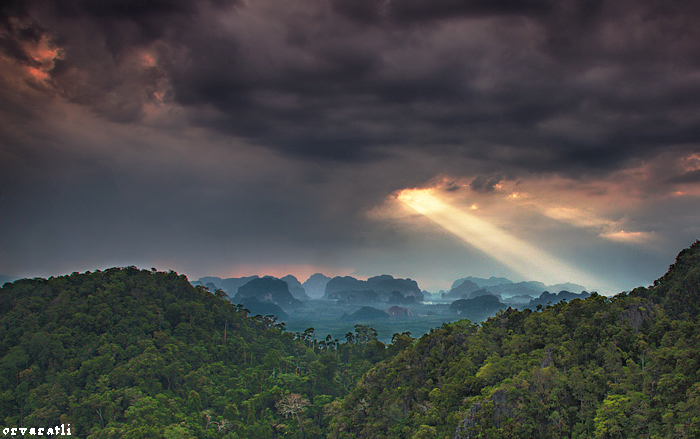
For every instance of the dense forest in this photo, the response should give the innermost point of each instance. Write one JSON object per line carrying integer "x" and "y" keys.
{"x": 129, "y": 353}
{"x": 620, "y": 367}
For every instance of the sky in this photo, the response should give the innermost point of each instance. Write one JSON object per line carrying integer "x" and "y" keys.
{"x": 556, "y": 141}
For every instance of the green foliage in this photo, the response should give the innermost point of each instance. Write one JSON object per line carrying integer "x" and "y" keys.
{"x": 129, "y": 353}
{"x": 621, "y": 367}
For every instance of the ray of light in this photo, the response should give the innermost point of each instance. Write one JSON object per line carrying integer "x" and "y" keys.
{"x": 518, "y": 255}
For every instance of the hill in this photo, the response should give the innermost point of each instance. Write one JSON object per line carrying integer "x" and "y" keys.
{"x": 295, "y": 288}
{"x": 229, "y": 285}
{"x": 129, "y": 353}
{"x": 377, "y": 288}
{"x": 258, "y": 308}
{"x": 315, "y": 286}
{"x": 5, "y": 278}
{"x": 463, "y": 289}
{"x": 484, "y": 304}
{"x": 620, "y": 367}
{"x": 268, "y": 289}
{"x": 481, "y": 282}
{"x": 505, "y": 288}
{"x": 547, "y": 298}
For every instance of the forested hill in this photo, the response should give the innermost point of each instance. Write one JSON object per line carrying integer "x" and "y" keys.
{"x": 129, "y": 353}
{"x": 620, "y": 367}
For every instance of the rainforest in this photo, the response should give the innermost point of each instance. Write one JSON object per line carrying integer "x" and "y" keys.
{"x": 133, "y": 353}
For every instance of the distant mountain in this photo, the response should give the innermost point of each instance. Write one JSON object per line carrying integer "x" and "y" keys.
{"x": 356, "y": 296}
{"x": 397, "y": 298}
{"x": 481, "y": 292}
{"x": 315, "y": 286}
{"x": 340, "y": 288}
{"x": 568, "y": 286}
{"x": 547, "y": 298}
{"x": 257, "y": 307}
{"x": 464, "y": 288}
{"x": 229, "y": 285}
{"x": 268, "y": 289}
{"x": 506, "y": 288}
{"x": 530, "y": 288}
{"x": 399, "y": 312}
{"x": 484, "y": 303}
{"x": 481, "y": 282}
{"x": 524, "y": 298}
{"x": 296, "y": 288}
{"x": 216, "y": 281}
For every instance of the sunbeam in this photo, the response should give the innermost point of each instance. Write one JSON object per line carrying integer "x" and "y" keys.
{"x": 520, "y": 256}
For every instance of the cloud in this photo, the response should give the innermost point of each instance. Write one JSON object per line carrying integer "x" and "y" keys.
{"x": 627, "y": 237}
{"x": 688, "y": 177}
{"x": 484, "y": 80}
{"x": 288, "y": 125}
{"x": 370, "y": 11}
{"x": 483, "y": 183}
{"x": 577, "y": 217}
{"x": 609, "y": 229}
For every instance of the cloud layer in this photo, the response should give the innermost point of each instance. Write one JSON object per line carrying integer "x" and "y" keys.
{"x": 249, "y": 131}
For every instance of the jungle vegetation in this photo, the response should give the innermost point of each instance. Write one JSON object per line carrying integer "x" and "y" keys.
{"x": 620, "y": 367}
{"x": 130, "y": 353}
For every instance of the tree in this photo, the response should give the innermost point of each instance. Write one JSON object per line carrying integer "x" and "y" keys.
{"x": 611, "y": 417}
{"x": 349, "y": 337}
{"x": 293, "y": 405}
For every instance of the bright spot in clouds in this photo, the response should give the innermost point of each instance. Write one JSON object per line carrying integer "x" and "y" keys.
{"x": 44, "y": 53}
{"x": 610, "y": 229}
{"x": 627, "y": 237}
{"x": 147, "y": 60}
{"x": 575, "y": 216}
{"x": 520, "y": 256}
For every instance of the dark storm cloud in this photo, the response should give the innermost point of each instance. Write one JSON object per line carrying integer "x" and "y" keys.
{"x": 259, "y": 131}
{"x": 13, "y": 34}
{"x": 99, "y": 44}
{"x": 585, "y": 86}
{"x": 485, "y": 183}
{"x": 687, "y": 177}
{"x": 421, "y": 10}
{"x": 574, "y": 87}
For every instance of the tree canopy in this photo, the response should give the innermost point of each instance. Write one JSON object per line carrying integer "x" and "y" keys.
{"x": 620, "y": 367}
{"x": 132, "y": 353}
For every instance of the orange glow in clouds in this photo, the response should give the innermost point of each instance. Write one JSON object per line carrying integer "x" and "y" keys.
{"x": 518, "y": 255}
{"x": 45, "y": 54}
{"x": 148, "y": 60}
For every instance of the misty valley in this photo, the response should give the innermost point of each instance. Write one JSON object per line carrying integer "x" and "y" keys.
{"x": 333, "y": 306}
